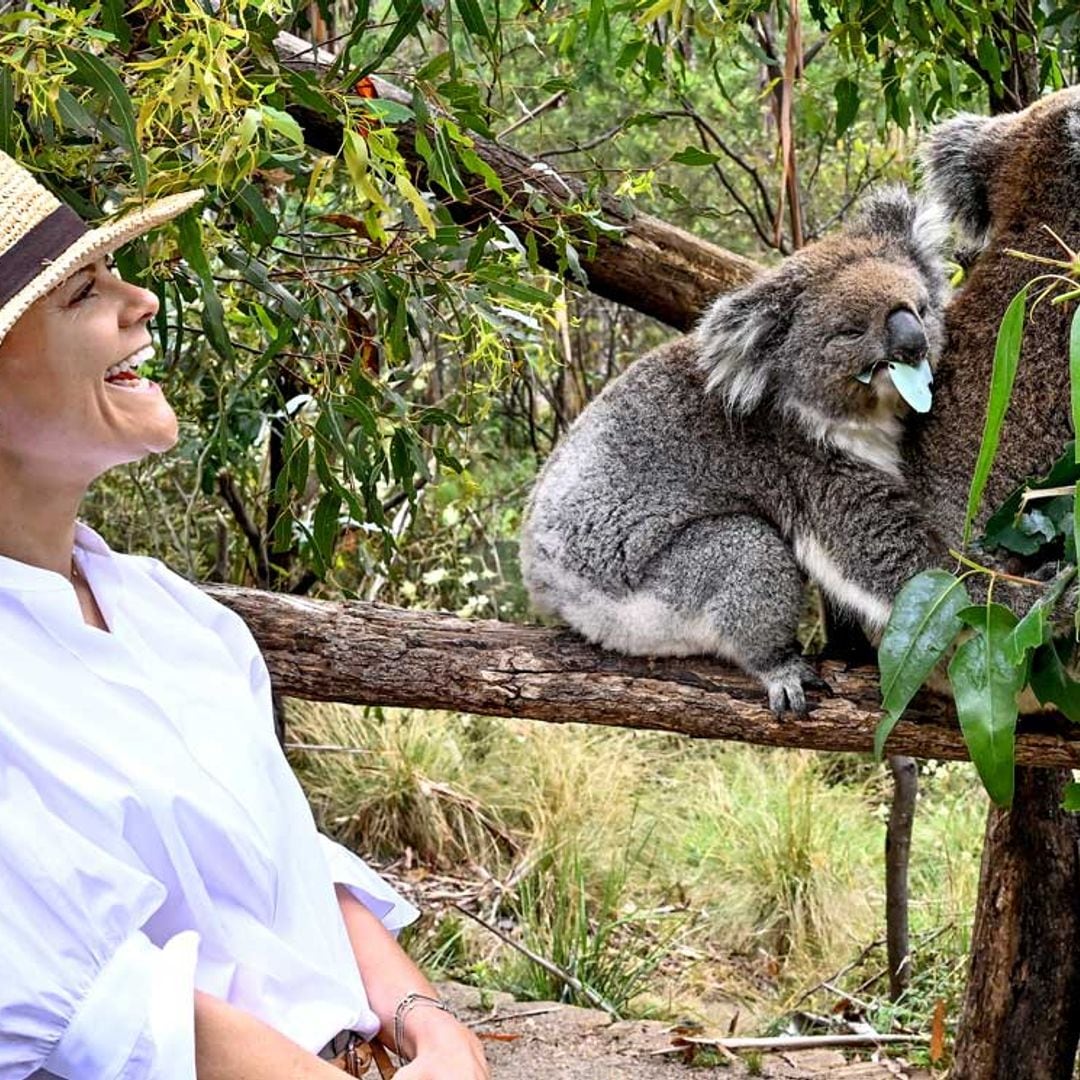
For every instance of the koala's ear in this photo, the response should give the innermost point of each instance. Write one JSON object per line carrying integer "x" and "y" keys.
{"x": 918, "y": 226}
{"x": 959, "y": 162}
{"x": 736, "y": 335}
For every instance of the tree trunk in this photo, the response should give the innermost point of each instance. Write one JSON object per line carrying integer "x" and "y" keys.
{"x": 1021, "y": 1017}
{"x": 905, "y": 773}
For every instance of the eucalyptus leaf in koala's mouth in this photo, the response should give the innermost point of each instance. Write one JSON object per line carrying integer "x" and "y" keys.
{"x": 912, "y": 382}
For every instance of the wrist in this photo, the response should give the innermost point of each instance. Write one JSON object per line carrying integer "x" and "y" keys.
{"x": 418, "y": 1019}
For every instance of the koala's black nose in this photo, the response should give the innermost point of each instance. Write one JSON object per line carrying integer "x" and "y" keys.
{"x": 904, "y": 337}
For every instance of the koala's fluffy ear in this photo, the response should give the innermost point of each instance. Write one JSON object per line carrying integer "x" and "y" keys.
{"x": 959, "y": 162}
{"x": 736, "y": 334}
{"x": 918, "y": 226}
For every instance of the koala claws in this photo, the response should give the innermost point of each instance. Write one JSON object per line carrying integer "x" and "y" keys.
{"x": 786, "y": 687}
{"x": 814, "y": 681}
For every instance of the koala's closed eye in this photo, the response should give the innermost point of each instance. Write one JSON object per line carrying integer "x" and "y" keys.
{"x": 846, "y": 333}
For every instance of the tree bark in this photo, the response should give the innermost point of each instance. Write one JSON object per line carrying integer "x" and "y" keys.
{"x": 655, "y": 268}
{"x": 905, "y": 773}
{"x": 375, "y": 654}
{"x": 1021, "y": 1016}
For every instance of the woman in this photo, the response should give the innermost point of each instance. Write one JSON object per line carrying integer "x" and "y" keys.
{"x": 167, "y": 909}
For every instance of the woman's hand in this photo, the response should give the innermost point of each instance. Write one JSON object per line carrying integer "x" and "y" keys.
{"x": 441, "y": 1048}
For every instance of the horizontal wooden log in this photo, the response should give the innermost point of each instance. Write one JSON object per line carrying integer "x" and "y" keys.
{"x": 375, "y": 654}
{"x": 649, "y": 265}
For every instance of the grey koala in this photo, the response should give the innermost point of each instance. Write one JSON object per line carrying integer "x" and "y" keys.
{"x": 682, "y": 509}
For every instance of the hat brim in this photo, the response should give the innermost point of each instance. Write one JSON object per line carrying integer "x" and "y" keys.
{"x": 91, "y": 246}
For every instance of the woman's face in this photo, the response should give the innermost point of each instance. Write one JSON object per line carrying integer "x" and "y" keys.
{"x": 60, "y": 418}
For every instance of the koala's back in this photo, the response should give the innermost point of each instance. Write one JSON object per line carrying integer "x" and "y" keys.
{"x": 1004, "y": 179}
{"x": 650, "y": 456}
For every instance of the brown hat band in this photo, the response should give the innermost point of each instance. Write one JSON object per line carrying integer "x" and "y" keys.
{"x": 35, "y": 249}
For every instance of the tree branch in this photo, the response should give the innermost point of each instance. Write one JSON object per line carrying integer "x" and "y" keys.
{"x": 374, "y": 654}
{"x": 643, "y": 263}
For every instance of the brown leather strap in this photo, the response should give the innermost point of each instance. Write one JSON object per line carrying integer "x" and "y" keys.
{"x": 382, "y": 1059}
{"x": 358, "y": 1057}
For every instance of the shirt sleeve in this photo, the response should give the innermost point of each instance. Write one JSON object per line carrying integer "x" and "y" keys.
{"x": 383, "y": 901}
{"x": 85, "y": 994}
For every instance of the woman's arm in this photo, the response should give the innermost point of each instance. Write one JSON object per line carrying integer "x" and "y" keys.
{"x": 231, "y": 1044}
{"x": 441, "y": 1048}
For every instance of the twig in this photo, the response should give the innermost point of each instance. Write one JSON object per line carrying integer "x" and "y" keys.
{"x": 328, "y": 748}
{"x": 589, "y": 144}
{"x": 550, "y": 103}
{"x": 498, "y": 1018}
{"x": 790, "y": 1042}
{"x": 256, "y": 541}
{"x": 547, "y": 965}
{"x": 876, "y": 944}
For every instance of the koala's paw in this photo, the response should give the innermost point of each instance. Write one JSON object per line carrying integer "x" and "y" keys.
{"x": 786, "y": 685}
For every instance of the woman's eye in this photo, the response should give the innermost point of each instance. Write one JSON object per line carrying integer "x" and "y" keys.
{"x": 84, "y": 293}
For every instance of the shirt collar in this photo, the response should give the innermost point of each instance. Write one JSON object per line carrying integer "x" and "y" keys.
{"x": 18, "y": 576}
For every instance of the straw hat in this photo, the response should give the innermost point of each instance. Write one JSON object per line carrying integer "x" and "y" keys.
{"x": 43, "y": 241}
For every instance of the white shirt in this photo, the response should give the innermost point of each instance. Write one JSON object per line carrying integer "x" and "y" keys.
{"x": 153, "y": 840}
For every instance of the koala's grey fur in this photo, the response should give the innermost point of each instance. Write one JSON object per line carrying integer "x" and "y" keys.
{"x": 680, "y": 511}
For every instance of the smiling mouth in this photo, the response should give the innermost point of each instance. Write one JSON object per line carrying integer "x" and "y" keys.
{"x": 125, "y": 374}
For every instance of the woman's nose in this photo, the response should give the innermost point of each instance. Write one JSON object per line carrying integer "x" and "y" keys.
{"x": 140, "y": 304}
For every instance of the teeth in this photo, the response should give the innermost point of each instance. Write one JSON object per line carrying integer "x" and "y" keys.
{"x": 130, "y": 363}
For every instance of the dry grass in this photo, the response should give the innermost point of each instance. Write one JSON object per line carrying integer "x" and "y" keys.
{"x": 597, "y": 839}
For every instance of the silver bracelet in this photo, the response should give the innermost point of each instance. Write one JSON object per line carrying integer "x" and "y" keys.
{"x": 411, "y": 1001}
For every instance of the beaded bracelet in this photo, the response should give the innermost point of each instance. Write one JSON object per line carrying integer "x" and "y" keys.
{"x": 405, "y": 1006}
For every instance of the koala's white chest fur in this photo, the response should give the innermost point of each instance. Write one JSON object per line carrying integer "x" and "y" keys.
{"x": 873, "y": 440}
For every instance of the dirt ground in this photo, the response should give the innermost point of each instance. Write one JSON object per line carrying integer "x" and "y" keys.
{"x": 530, "y": 1041}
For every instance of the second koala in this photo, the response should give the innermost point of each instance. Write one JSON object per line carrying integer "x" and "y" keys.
{"x": 679, "y": 513}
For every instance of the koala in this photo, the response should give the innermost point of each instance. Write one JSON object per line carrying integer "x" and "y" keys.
{"x": 1004, "y": 181}
{"x": 682, "y": 510}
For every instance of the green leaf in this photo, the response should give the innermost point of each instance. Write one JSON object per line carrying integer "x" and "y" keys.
{"x": 257, "y": 274}
{"x": 263, "y": 224}
{"x": 598, "y": 20}
{"x": 1006, "y": 360}
{"x": 846, "y": 92}
{"x": 326, "y": 526}
{"x": 475, "y": 164}
{"x": 1002, "y": 526}
{"x": 1071, "y": 799}
{"x": 985, "y": 684}
{"x": 409, "y": 16}
{"x": 989, "y": 57}
{"x": 95, "y": 73}
{"x": 1051, "y": 682}
{"x": 1034, "y": 628}
{"x": 389, "y": 112}
{"x": 281, "y": 122}
{"x": 921, "y": 627}
{"x": 7, "y": 112}
{"x": 213, "y": 313}
{"x": 694, "y": 155}
{"x": 1074, "y": 378}
{"x": 474, "y": 20}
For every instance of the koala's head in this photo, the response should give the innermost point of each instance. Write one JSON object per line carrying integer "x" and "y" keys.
{"x": 816, "y": 336}
{"x": 981, "y": 170}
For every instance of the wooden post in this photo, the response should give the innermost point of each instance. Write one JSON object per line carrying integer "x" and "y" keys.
{"x": 1021, "y": 1017}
